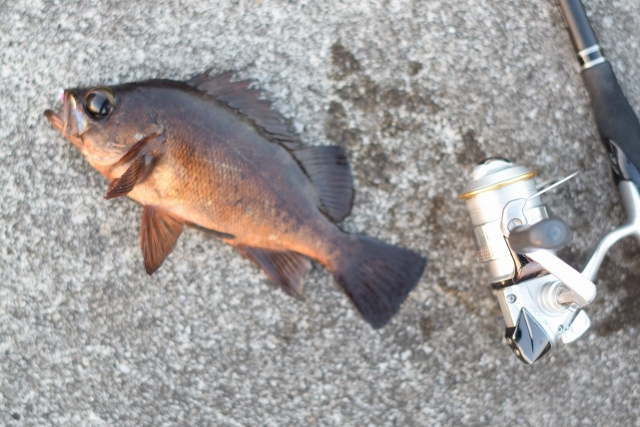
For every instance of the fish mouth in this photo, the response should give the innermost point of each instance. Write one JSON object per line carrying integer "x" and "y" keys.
{"x": 73, "y": 122}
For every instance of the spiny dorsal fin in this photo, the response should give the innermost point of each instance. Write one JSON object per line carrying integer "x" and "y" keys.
{"x": 158, "y": 236}
{"x": 238, "y": 96}
{"x": 286, "y": 268}
{"x": 137, "y": 172}
{"x": 329, "y": 171}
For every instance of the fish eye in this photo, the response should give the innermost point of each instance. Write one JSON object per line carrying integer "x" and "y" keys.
{"x": 99, "y": 102}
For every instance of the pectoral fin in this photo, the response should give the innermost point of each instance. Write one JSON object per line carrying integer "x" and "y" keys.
{"x": 137, "y": 172}
{"x": 158, "y": 236}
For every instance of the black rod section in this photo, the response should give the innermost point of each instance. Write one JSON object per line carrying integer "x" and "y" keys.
{"x": 617, "y": 123}
{"x": 582, "y": 34}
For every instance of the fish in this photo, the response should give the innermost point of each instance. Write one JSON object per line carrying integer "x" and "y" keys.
{"x": 211, "y": 153}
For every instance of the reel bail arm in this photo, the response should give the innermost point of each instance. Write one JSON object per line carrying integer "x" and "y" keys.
{"x": 535, "y": 240}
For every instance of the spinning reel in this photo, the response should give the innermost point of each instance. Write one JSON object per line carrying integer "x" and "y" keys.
{"x": 542, "y": 298}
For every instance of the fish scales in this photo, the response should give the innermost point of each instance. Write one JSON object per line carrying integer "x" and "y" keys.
{"x": 218, "y": 177}
{"x": 210, "y": 153}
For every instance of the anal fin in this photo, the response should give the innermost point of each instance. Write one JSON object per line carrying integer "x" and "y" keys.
{"x": 159, "y": 233}
{"x": 329, "y": 171}
{"x": 286, "y": 268}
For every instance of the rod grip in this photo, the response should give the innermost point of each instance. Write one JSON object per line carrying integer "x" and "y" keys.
{"x": 615, "y": 119}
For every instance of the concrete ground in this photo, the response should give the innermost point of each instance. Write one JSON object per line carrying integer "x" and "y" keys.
{"x": 417, "y": 92}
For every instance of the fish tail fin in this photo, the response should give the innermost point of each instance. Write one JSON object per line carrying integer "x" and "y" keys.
{"x": 377, "y": 277}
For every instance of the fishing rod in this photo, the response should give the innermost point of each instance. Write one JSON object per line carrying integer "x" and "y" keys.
{"x": 541, "y": 297}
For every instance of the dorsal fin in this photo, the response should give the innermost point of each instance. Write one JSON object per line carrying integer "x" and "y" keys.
{"x": 239, "y": 97}
{"x": 328, "y": 169}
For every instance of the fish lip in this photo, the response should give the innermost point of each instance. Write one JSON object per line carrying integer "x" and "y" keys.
{"x": 55, "y": 119}
{"x": 66, "y": 124}
{"x": 75, "y": 122}
{"x": 65, "y": 113}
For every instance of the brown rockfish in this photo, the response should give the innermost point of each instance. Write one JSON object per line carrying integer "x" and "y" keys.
{"x": 209, "y": 152}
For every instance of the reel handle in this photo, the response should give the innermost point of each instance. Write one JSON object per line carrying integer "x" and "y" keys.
{"x": 532, "y": 240}
{"x": 552, "y": 233}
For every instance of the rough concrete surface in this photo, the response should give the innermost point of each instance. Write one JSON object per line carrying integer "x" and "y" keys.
{"x": 417, "y": 92}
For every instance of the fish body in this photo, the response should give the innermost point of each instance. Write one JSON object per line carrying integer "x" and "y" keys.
{"x": 210, "y": 153}
{"x": 224, "y": 176}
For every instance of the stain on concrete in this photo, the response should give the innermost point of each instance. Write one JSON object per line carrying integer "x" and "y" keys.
{"x": 419, "y": 98}
{"x": 392, "y": 126}
{"x": 287, "y": 332}
{"x": 394, "y": 98}
{"x": 377, "y": 169}
{"x": 620, "y": 277}
{"x": 359, "y": 92}
{"x": 471, "y": 154}
{"x": 414, "y": 68}
{"x": 435, "y": 213}
{"x": 343, "y": 60}
{"x": 426, "y": 327}
{"x": 366, "y": 95}
{"x": 362, "y": 93}
{"x": 337, "y": 129}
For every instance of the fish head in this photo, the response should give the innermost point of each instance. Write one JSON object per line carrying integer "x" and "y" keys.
{"x": 103, "y": 122}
